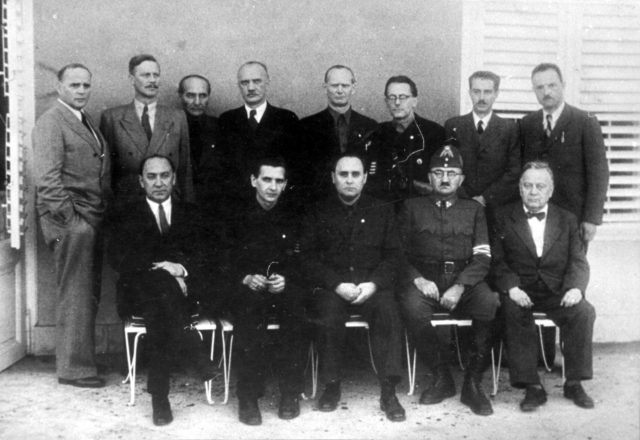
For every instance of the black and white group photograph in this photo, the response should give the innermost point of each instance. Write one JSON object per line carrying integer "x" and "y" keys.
{"x": 278, "y": 219}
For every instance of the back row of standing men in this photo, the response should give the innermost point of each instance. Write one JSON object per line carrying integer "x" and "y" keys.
{"x": 213, "y": 162}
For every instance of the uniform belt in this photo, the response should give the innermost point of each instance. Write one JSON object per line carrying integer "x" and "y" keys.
{"x": 444, "y": 267}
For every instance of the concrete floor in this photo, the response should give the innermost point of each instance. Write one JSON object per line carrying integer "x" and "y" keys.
{"x": 34, "y": 406}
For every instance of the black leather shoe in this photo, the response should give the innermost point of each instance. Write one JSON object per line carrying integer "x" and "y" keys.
{"x": 330, "y": 398}
{"x": 84, "y": 382}
{"x": 442, "y": 388}
{"x": 533, "y": 398}
{"x": 289, "y": 407}
{"x": 249, "y": 413}
{"x": 474, "y": 397}
{"x": 161, "y": 410}
{"x": 578, "y": 395}
{"x": 392, "y": 408}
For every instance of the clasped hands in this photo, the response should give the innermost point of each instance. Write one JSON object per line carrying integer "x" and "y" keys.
{"x": 176, "y": 270}
{"x": 449, "y": 299}
{"x": 356, "y": 294}
{"x": 273, "y": 284}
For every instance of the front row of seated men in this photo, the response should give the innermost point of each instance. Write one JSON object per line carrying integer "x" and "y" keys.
{"x": 351, "y": 255}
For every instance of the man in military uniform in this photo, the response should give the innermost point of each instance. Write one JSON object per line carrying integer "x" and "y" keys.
{"x": 350, "y": 251}
{"x": 334, "y": 130}
{"x": 399, "y": 150}
{"x": 448, "y": 256}
{"x": 263, "y": 265}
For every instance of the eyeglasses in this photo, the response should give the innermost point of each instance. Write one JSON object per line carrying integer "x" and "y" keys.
{"x": 394, "y": 98}
{"x": 450, "y": 174}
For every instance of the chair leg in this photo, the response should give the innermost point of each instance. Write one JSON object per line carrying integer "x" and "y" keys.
{"x": 226, "y": 360}
{"x": 208, "y": 383}
{"x": 411, "y": 365}
{"x": 313, "y": 361}
{"x": 457, "y": 341}
{"x": 373, "y": 364}
{"x": 495, "y": 369}
{"x": 544, "y": 356}
{"x": 132, "y": 368}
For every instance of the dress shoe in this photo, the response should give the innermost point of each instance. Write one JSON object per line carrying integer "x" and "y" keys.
{"x": 330, "y": 398}
{"x": 576, "y": 393}
{"x": 392, "y": 408}
{"x": 474, "y": 396}
{"x": 442, "y": 388}
{"x": 161, "y": 410}
{"x": 84, "y": 382}
{"x": 533, "y": 398}
{"x": 289, "y": 407}
{"x": 248, "y": 412}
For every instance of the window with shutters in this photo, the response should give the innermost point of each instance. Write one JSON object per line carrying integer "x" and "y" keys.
{"x": 596, "y": 43}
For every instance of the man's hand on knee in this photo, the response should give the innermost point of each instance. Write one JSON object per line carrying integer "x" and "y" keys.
{"x": 520, "y": 297}
{"x": 347, "y": 291}
{"x": 427, "y": 287}
{"x": 366, "y": 291}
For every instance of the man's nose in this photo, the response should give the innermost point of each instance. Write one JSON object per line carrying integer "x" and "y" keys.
{"x": 197, "y": 100}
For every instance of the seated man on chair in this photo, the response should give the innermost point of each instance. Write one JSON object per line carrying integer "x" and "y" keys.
{"x": 540, "y": 266}
{"x": 263, "y": 263}
{"x": 350, "y": 252}
{"x": 158, "y": 248}
{"x": 448, "y": 256}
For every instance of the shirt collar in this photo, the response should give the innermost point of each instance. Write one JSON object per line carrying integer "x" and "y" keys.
{"x": 545, "y": 209}
{"x": 336, "y": 114}
{"x": 166, "y": 205}
{"x": 485, "y": 120}
{"x": 259, "y": 110}
{"x": 77, "y": 113}
{"x": 403, "y": 125}
{"x": 140, "y": 106}
{"x": 554, "y": 115}
{"x": 448, "y": 203}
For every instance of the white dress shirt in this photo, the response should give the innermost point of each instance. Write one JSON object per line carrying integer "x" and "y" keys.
{"x": 537, "y": 229}
{"x": 259, "y": 111}
{"x": 151, "y": 111}
{"x": 554, "y": 117}
{"x": 166, "y": 205}
{"x": 485, "y": 120}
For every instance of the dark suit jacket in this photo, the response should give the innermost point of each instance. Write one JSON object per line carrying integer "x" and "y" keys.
{"x": 576, "y": 153}
{"x": 398, "y": 157}
{"x": 206, "y": 157}
{"x": 563, "y": 264}
{"x": 350, "y": 245}
{"x": 124, "y": 132}
{"x": 321, "y": 145}
{"x": 135, "y": 242}
{"x": 72, "y": 168}
{"x": 491, "y": 160}
{"x": 241, "y": 146}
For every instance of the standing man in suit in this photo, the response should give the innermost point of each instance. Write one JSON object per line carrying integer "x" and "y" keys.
{"x": 158, "y": 248}
{"x": 256, "y": 130}
{"x": 335, "y": 130}
{"x": 143, "y": 128}
{"x": 208, "y": 172}
{"x": 399, "y": 150}
{"x": 265, "y": 283}
{"x": 448, "y": 257}
{"x": 72, "y": 166}
{"x": 571, "y": 141}
{"x": 350, "y": 251}
{"x": 540, "y": 266}
{"x": 488, "y": 144}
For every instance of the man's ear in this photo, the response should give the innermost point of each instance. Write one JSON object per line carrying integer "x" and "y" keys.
{"x": 140, "y": 181}
{"x": 253, "y": 181}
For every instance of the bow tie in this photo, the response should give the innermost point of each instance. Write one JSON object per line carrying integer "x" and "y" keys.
{"x": 538, "y": 215}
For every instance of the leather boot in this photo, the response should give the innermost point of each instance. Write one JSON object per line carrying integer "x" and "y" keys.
{"x": 442, "y": 387}
{"x": 331, "y": 397}
{"x": 472, "y": 393}
{"x": 389, "y": 401}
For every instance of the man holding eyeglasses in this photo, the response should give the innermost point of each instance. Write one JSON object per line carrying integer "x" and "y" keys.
{"x": 263, "y": 266}
{"x": 399, "y": 150}
{"x": 447, "y": 258}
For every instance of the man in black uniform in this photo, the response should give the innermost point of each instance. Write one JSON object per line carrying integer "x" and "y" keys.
{"x": 208, "y": 172}
{"x": 350, "y": 253}
{"x": 399, "y": 150}
{"x": 263, "y": 266}
{"x": 448, "y": 257}
{"x": 334, "y": 130}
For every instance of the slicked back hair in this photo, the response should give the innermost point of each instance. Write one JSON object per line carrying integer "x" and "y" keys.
{"x": 339, "y": 67}
{"x": 136, "y": 60}
{"x": 547, "y": 66}
{"x": 402, "y": 79}
{"x": 193, "y": 75}
{"x": 486, "y": 74}
{"x": 64, "y": 69}
{"x": 537, "y": 165}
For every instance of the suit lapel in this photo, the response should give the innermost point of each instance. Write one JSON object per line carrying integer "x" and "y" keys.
{"x": 491, "y": 132}
{"x": 132, "y": 126}
{"x": 561, "y": 125}
{"x": 551, "y": 230}
{"x": 161, "y": 129}
{"x": 521, "y": 228}
{"x": 78, "y": 127}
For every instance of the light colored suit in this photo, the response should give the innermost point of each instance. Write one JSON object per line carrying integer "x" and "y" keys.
{"x": 72, "y": 180}
{"x": 123, "y": 130}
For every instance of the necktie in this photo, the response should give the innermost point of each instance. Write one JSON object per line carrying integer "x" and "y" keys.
{"x": 480, "y": 127}
{"x": 547, "y": 130}
{"x": 342, "y": 133}
{"x": 538, "y": 215}
{"x": 146, "y": 126}
{"x": 162, "y": 219}
{"x": 253, "y": 122}
{"x": 86, "y": 123}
